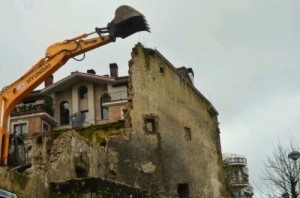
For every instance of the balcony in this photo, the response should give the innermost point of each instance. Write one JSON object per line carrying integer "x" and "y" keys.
{"x": 115, "y": 97}
{"x": 245, "y": 171}
{"x": 234, "y": 159}
{"x": 249, "y": 191}
{"x": 241, "y": 181}
{"x": 32, "y": 108}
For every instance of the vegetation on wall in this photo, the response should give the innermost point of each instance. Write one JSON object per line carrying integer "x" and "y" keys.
{"x": 48, "y": 104}
{"x": 20, "y": 179}
{"x": 96, "y": 133}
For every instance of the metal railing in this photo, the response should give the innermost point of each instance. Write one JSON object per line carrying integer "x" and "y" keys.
{"x": 234, "y": 159}
{"x": 243, "y": 180}
{"x": 31, "y": 108}
{"x": 116, "y": 96}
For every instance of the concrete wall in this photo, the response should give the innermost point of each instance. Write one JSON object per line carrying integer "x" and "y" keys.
{"x": 174, "y": 135}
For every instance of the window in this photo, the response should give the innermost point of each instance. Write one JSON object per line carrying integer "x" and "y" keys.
{"x": 84, "y": 116}
{"x": 161, "y": 69}
{"x": 104, "y": 109}
{"x": 105, "y": 98}
{"x": 187, "y": 134}
{"x": 150, "y": 124}
{"x": 46, "y": 127}
{"x": 83, "y": 92}
{"x": 20, "y": 129}
{"x": 104, "y": 113}
{"x": 183, "y": 190}
{"x": 64, "y": 113}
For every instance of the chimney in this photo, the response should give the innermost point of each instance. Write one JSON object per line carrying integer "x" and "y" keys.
{"x": 191, "y": 74}
{"x": 113, "y": 70}
{"x": 90, "y": 71}
{"x": 49, "y": 81}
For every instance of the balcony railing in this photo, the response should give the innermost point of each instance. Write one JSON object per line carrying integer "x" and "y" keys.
{"x": 31, "y": 108}
{"x": 115, "y": 96}
{"x": 245, "y": 170}
{"x": 239, "y": 180}
{"x": 248, "y": 190}
{"x": 232, "y": 159}
{"x": 118, "y": 95}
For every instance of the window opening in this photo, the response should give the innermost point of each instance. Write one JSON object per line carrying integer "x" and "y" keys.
{"x": 20, "y": 129}
{"x": 150, "y": 125}
{"x": 83, "y": 92}
{"x": 104, "y": 109}
{"x": 161, "y": 70}
{"x": 64, "y": 113}
{"x": 81, "y": 171}
{"x": 187, "y": 134}
{"x": 104, "y": 113}
{"x": 183, "y": 190}
{"x": 39, "y": 141}
{"x": 84, "y": 116}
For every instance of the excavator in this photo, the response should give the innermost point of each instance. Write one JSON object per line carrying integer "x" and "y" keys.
{"x": 126, "y": 22}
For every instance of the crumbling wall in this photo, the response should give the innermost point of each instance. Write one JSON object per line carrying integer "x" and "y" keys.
{"x": 23, "y": 185}
{"x": 168, "y": 146}
{"x": 72, "y": 156}
{"x": 173, "y": 132}
{"x": 94, "y": 187}
{"x": 60, "y": 156}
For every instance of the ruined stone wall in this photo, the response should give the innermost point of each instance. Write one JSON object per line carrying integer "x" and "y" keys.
{"x": 60, "y": 156}
{"x": 174, "y": 135}
{"x": 169, "y": 144}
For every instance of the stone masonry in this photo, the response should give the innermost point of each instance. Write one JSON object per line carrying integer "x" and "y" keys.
{"x": 168, "y": 145}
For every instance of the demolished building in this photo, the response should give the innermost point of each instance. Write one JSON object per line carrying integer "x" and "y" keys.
{"x": 151, "y": 134}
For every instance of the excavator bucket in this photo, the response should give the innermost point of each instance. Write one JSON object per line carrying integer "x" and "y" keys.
{"x": 127, "y": 21}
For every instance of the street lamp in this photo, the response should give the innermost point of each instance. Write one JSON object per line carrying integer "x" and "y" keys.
{"x": 294, "y": 155}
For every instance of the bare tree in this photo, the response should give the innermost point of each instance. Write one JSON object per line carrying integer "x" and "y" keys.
{"x": 281, "y": 172}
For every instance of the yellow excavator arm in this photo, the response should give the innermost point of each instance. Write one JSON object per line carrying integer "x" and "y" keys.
{"x": 127, "y": 21}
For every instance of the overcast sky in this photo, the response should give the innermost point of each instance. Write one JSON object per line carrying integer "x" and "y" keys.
{"x": 245, "y": 55}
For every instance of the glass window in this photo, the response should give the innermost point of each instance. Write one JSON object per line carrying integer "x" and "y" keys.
{"x": 64, "y": 113}
{"x": 104, "y": 109}
{"x": 105, "y": 113}
{"x": 83, "y": 92}
{"x": 20, "y": 129}
{"x": 84, "y": 116}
